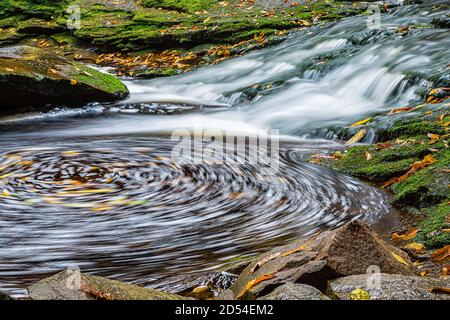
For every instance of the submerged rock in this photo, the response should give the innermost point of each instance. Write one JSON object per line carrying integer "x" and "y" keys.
{"x": 351, "y": 249}
{"x": 4, "y": 296}
{"x": 73, "y": 285}
{"x": 31, "y": 78}
{"x": 391, "y": 287}
{"x": 295, "y": 291}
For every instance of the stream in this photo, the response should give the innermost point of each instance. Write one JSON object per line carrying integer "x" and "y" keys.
{"x": 98, "y": 188}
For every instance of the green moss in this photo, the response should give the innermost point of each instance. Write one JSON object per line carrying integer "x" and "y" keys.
{"x": 97, "y": 79}
{"x": 426, "y": 187}
{"x": 425, "y": 191}
{"x": 180, "y": 5}
{"x": 431, "y": 229}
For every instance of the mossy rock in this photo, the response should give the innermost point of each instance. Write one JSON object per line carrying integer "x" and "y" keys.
{"x": 31, "y": 78}
{"x": 73, "y": 285}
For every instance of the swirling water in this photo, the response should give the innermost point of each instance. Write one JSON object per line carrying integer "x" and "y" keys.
{"x": 97, "y": 187}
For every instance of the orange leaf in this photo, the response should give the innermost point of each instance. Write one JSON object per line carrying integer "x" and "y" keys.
{"x": 433, "y": 138}
{"x": 441, "y": 254}
{"x": 253, "y": 283}
{"x": 409, "y": 235}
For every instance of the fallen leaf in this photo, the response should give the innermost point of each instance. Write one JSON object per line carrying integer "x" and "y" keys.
{"x": 416, "y": 247}
{"x": 368, "y": 156}
{"x": 200, "y": 289}
{"x": 409, "y": 235}
{"x": 73, "y": 82}
{"x": 433, "y": 138}
{"x": 399, "y": 110}
{"x": 399, "y": 259}
{"x": 441, "y": 254}
{"x": 356, "y": 124}
{"x": 443, "y": 290}
{"x": 424, "y": 273}
{"x": 303, "y": 246}
{"x": 357, "y": 137}
{"x": 98, "y": 295}
{"x": 359, "y": 294}
{"x": 253, "y": 283}
{"x": 207, "y": 20}
{"x": 418, "y": 165}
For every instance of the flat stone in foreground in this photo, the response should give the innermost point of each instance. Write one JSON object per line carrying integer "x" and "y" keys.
{"x": 392, "y": 287}
{"x": 73, "y": 285}
{"x": 295, "y": 291}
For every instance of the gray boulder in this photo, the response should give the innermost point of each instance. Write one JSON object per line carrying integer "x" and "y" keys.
{"x": 391, "y": 287}
{"x": 348, "y": 250}
{"x": 295, "y": 291}
{"x": 73, "y": 285}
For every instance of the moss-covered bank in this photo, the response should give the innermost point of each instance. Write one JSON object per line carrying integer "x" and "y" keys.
{"x": 412, "y": 160}
{"x": 136, "y": 28}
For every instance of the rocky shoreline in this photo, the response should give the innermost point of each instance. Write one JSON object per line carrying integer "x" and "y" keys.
{"x": 349, "y": 263}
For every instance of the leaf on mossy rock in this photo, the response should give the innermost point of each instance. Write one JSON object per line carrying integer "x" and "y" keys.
{"x": 441, "y": 254}
{"x": 409, "y": 235}
{"x": 418, "y": 165}
{"x": 433, "y": 138}
{"x": 357, "y": 137}
{"x": 399, "y": 110}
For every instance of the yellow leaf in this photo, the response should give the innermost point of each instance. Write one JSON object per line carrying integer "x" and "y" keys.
{"x": 356, "y": 124}
{"x": 359, "y": 294}
{"x": 200, "y": 289}
{"x": 399, "y": 259}
{"x": 357, "y": 137}
{"x": 416, "y": 247}
{"x": 433, "y": 138}
{"x": 368, "y": 156}
{"x": 73, "y": 82}
{"x": 207, "y": 20}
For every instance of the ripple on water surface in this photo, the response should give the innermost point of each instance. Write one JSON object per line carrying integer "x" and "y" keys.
{"x": 123, "y": 208}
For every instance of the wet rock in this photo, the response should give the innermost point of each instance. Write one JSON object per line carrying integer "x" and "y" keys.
{"x": 391, "y": 287}
{"x": 73, "y": 285}
{"x": 31, "y": 78}
{"x": 188, "y": 285}
{"x": 348, "y": 250}
{"x": 441, "y": 22}
{"x": 295, "y": 291}
{"x": 4, "y": 296}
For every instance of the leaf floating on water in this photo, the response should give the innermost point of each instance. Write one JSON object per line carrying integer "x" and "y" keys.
{"x": 200, "y": 289}
{"x": 253, "y": 283}
{"x": 399, "y": 110}
{"x": 399, "y": 259}
{"x": 359, "y": 123}
{"x": 441, "y": 254}
{"x": 359, "y": 294}
{"x": 70, "y": 153}
{"x": 409, "y": 235}
{"x": 357, "y": 137}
